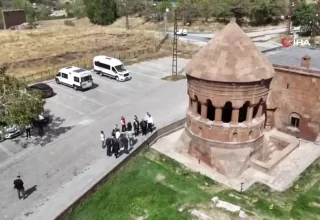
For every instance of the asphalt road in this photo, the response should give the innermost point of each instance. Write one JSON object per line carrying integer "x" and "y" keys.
{"x": 58, "y": 166}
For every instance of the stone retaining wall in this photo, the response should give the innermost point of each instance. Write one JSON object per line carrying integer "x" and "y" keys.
{"x": 151, "y": 140}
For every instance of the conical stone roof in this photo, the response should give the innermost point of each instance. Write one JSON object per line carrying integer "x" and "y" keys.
{"x": 230, "y": 56}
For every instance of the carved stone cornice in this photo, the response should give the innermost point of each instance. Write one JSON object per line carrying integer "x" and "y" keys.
{"x": 228, "y": 85}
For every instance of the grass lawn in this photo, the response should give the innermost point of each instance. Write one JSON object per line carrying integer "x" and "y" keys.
{"x": 155, "y": 186}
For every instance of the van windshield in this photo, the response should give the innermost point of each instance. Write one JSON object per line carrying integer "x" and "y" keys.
{"x": 86, "y": 78}
{"x": 120, "y": 68}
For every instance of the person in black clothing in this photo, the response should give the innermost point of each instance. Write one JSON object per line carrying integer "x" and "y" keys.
{"x": 115, "y": 129}
{"x": 136, "y": 127}
{"x": 28, "y": 131}
{"x": 143, "y": 126}
{"x": 129, "y": 126}
{"x": 40, "y": 127}
{"x": 115, "y": 147}
{"x": 125, "y": 144}
{"x": 109, "y": 146}
{"x": 18, "y": 185}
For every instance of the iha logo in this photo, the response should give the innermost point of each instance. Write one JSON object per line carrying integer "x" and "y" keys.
{"x": 288, "y": 41}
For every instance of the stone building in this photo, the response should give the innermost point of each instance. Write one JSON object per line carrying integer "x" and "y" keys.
{"x": 294, "y": 101}
{"x": 228, "y": 86}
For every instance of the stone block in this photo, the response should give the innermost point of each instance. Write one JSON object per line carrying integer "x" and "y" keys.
{"x": 242, "y": 215}
{"x": 200, "y": 215}
{"x": 225, "y": 205}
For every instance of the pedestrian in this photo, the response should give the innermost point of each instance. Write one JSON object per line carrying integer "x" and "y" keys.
{"x": 129, "y": 126}
{"x": 135, "y": 118}
{"x": 123, "y": 124}
{"x": 150, "y": 123}
{"x": 115, "y": 147}
{"x": 136, "y": 126}
{"x": 28, "y": 130}
{"x": 114, "y": 130}
{"x": 125, "y": 144}
{"x": 18, "y": 185}
{"x": 109, "y": 146}
{"x": 117, "y": 134}
{"x": 130, "y": 138}
{"x": 146, "y": 116}
{"x": 103, "y": 137}
{"x": 143, "y": 127}
{"x": 40, "y": 119}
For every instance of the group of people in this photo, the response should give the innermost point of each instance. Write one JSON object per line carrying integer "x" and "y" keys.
{"x": 40, "y": 124}
{"x": 145, "y": 125}
{"x": 124, "y": 139}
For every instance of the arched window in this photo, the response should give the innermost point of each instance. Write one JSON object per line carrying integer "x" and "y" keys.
{"x": 295, "y": 120}
{"x": 211, "y": 110}
{"x": 256, "y": 108}
{"x": 243, "y": 111}
{"x": 199, "y": 105}
{"x": 227, "y": 112}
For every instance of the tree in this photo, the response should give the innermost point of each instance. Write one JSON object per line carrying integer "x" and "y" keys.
{"x": 31, "y": 14}
{"x": 17, "y": 104}
{"x": 75, "y": 9}
{"x": 303, "y": 14}
{"x": 102, "y": 12}
{"x": 267, "y": 12}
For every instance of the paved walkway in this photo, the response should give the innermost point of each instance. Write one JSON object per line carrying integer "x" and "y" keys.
{"x": 280, "y": 178}
{"x": 65, "y": 166}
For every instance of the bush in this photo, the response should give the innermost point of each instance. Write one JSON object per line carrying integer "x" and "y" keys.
{"x": 69, "y": 23}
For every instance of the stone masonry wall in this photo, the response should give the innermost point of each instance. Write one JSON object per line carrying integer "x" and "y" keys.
{"x": 294, "y": 92}
{"x": 229, "y": 159}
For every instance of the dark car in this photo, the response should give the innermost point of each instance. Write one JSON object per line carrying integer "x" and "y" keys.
{"x": 44, "y": 88}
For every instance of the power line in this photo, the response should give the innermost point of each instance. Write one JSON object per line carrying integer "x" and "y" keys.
{"x": 175, "y": 46}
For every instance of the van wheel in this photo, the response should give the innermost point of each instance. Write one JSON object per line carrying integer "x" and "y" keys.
{"x": 100, "y": 73}
{"x": 75, "y": 87}
{"x": 57, "y": 81}
{"x": 117, "y": 78}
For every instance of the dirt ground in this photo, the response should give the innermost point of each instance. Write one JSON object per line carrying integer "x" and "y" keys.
{"x": 54, "y": 44}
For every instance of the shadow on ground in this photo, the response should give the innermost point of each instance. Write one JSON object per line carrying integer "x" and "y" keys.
{"x": 29, "y": 191}
{"x": 51, "y": 132}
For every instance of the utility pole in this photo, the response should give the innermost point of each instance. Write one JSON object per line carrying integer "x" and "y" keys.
{"x": 290, "y": 12}
{"x": 166, "y": 21}
{"x": 125, "y": 3}
{"x": 175, "y": 46}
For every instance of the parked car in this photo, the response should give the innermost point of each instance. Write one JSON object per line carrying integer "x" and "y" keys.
{"x": 9, "y": 131}
{"x": 44, "y": 88}
{"x": 45, "y": 121}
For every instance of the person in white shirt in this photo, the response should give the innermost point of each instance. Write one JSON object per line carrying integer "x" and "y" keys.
{"x": 103, "y": 138}
{"x": 117, "y": 134}
{"x": 150, "y": 123}
{"x": 146, "y": 117}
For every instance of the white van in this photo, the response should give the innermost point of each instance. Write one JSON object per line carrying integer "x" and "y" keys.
{"x": 111, "y": 67}
{"x": 79, "y": 79}
{"x": 182, "y": 32}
